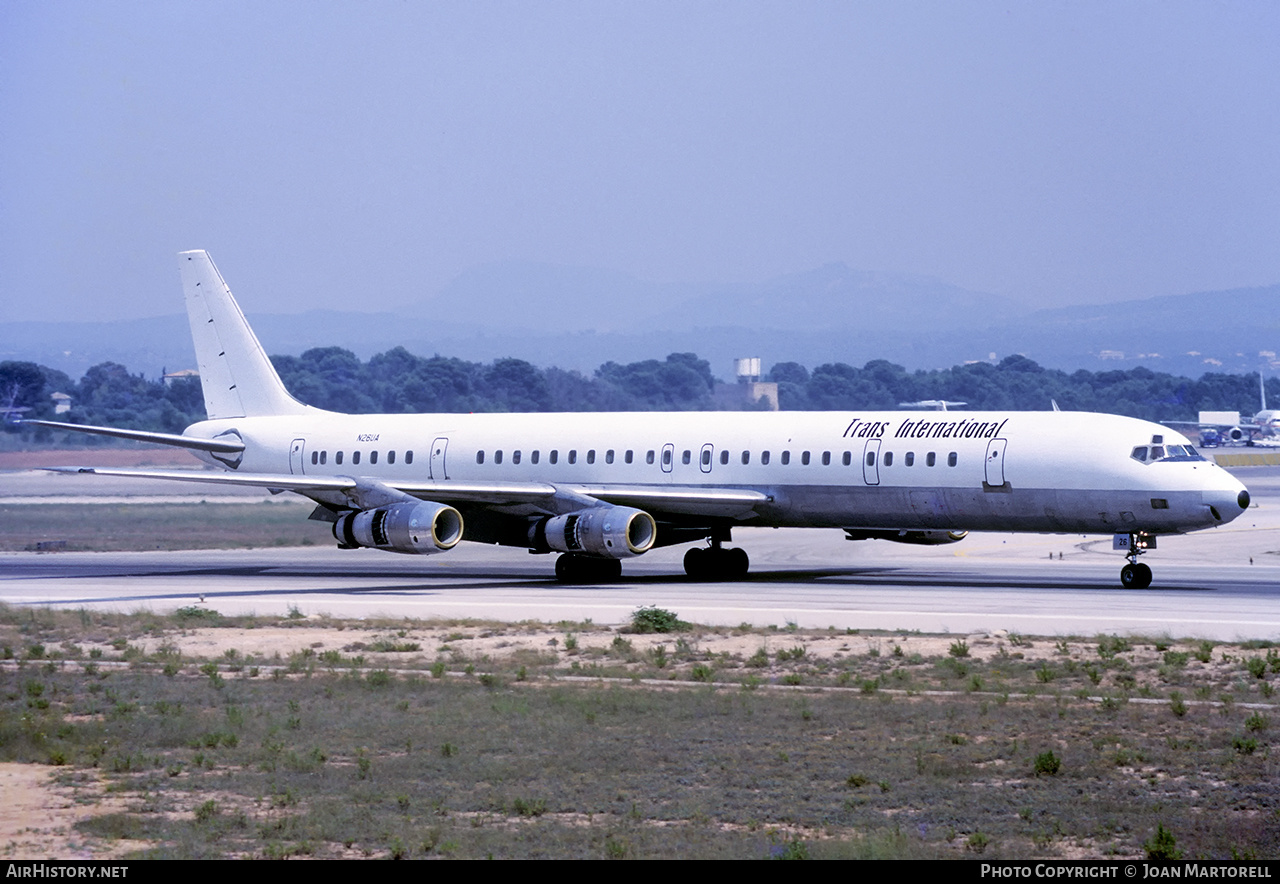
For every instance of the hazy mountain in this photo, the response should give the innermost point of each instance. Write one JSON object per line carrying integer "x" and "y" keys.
{"x": 581, "y": 317}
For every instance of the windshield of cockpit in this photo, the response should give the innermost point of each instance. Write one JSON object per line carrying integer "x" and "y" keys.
{"x": 1153, "y": 453}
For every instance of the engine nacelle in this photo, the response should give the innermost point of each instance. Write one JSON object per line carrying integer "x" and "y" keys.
{"x": 410, "y": 527}
{"x": 614, "y": 532}
{"x": 920, "y": 538}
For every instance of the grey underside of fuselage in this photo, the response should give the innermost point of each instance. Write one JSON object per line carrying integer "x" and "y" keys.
{"x": 989, "y": 509}
{"x": 1003, "y": 508}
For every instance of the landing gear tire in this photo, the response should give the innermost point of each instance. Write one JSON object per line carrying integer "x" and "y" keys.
{"x": 716, "y": 563}
{"x": 1135, "y": 575}
{"x": 572, "y": 568}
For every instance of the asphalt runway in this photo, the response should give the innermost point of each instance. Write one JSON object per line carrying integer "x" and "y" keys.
{"x": 1222, "y": 584}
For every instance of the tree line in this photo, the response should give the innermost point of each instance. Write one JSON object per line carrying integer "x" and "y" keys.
{"x": 398, "y": 381}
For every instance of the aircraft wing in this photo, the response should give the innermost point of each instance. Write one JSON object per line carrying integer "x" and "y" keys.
{"x": 656, "y": 499}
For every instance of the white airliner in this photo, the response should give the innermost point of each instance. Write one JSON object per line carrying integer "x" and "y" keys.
{"x": 600, "y": 488}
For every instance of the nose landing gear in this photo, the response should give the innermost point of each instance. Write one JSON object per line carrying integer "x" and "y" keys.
{"x": 1134, "y": 575}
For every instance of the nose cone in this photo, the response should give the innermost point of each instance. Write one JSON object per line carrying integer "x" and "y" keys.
{"x": 1228, "y": 500}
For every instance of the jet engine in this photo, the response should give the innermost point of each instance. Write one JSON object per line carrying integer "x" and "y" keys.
{"x": 614, "y": 532}
{"x": 410, "y": 527}
{"x": 920, "y": 538}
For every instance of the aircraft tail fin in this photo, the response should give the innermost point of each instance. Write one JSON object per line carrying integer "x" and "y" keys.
{"x": 237, "y": 377}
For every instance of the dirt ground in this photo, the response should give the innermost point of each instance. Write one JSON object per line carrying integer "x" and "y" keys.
{"x": 38, "y": 815}
{"x": 42, "y": 804}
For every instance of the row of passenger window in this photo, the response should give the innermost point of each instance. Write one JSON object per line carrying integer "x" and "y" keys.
{"x": 686, "y": 457}
{"x": 320, "y": 458}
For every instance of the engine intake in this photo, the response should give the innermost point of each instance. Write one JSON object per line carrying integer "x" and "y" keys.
{"x": 613, "y": 532}
{"x": 920, "y": 538}
{"x": 409, "y": 527}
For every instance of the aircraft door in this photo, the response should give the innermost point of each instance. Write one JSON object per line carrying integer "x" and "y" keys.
{"x": 995, "y": 463}
{"x": 871, "y": 462}
{"x": 668, "y": 457}
{"x": 705, "y": 458}
{"x": 436, "y": 469}
{"x": 296, "y": 451}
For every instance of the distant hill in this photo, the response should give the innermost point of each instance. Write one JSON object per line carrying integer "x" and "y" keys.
{"x": 579, "y": 318}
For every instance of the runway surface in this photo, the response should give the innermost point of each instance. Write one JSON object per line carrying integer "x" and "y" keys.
{"x": 1222, "y": 584}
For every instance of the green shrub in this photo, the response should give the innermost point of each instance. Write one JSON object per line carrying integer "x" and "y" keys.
{"x": 654, "y": 619}
{"x": 1162, "y": 845}
{"x": 1047, "y": 764}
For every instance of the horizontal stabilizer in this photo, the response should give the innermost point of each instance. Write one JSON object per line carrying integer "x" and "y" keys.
{"x": 217, "y": 446}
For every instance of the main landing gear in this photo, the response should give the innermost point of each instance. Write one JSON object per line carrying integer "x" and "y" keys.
{"x": 716, "y": 562}
{"x": 1135, "y": 575}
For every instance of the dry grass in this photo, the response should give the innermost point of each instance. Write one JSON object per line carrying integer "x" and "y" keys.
{"x": 298, "y": 737}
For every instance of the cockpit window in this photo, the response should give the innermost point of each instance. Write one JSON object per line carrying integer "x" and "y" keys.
{"x": 1151, "y": 454}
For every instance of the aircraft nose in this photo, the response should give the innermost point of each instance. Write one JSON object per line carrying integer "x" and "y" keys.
{"x": 1228, "y": 501}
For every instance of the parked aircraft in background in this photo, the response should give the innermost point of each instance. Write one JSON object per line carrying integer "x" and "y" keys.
{"x": 1227, "y": 428}
{"x": 600, "y": 488}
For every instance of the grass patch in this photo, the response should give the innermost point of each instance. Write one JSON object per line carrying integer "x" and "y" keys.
{"x": 886, "y": 756}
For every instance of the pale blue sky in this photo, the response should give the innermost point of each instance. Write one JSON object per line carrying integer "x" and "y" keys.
{"x": 359, "y": 155}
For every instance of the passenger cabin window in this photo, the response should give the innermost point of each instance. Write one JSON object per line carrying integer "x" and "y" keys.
{"x": 686, "y": 457}
{"x": 786, "y": 458}
{"x": 315, "y": 458}
{"x": 591, "y": 456}
{"x": 408, "y": 456}
{"x": 608, "y": 456}
{"x": 337, "y": 458}
{"x": 554, "y": 456}
{"x": 888, "y": 458}
{"x": 871, "y": 458}
{"x": 826, "y": 458}
{"x": 373, "y": 457}
{"x": 391, "y": 457}
{"x": 909, "y": 458}
{"x": 648, "y": 458}
{"x": 706, "y": 457}
{"x": 764, "y": 458}
{"x": 497, "y": 456}
{"x": 724, "y": 457}
{"x": 848, "y": 458}
{"x": 951, "y": 459}
{"x": 666, "y": 457}
{"x": 479, "y": 457}
{"x": 804, "y": 458}
{"x": 515, "y": 456}
{"x": 930, "y": 459}
{"x": 533, "y": 456}
{"x": 355, "y": 457}
{"x": 629, "y": 456}
{"x": 573, "y": 455}
{"x": 746, "y": 457}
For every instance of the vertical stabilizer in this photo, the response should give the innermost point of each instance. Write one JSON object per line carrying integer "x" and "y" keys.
{"x": 237, "y": 377}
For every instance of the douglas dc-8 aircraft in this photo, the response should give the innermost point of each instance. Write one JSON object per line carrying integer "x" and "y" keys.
{"x": 600, "y": 488}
